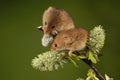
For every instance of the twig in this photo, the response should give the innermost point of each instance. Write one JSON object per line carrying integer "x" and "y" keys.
{"x": 90, "y": 64}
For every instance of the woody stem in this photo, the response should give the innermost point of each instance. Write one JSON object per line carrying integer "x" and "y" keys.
{"x": 90, "y": 64}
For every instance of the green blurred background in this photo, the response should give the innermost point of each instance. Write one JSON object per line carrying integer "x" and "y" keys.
{"x": 20, "y": 41}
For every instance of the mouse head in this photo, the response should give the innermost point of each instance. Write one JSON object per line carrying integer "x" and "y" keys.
{"x": 56, "y": 20}
{"x": 57, "y": 44}
{"x": 61, "y": 42}
{"x": 51, "y": 20}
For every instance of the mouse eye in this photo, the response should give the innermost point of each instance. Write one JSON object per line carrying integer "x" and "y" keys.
{"x": 45, "y": 23}
{"x": 53, "y": 27}
{"x": 55, "y": 45}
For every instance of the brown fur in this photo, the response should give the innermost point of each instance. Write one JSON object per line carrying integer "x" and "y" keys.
{"x": 73, "y": 39}
{"x": 56, "y": 20}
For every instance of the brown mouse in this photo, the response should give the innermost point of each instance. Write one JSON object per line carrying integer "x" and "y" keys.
{"x": 72, "y": 40}
{"x": 54, "y": 21}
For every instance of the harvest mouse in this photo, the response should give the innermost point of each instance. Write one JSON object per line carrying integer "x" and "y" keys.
{"x": 54, "y": 21}
{"x": 72, "y": 40}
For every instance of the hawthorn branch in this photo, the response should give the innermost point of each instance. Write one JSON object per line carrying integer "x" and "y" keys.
{"x": 90, "y": 64}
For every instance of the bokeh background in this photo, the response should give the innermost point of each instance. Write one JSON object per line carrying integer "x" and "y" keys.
{"x": 20, "y": 41}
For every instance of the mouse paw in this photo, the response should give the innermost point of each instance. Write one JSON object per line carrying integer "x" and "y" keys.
{"x": 70, "y": 53}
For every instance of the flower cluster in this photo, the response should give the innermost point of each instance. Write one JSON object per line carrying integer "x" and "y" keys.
{"x": 96, "y": 39}
{"x": 48, "y": 61}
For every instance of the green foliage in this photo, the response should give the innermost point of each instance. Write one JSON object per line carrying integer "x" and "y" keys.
{"x": 91, "y": 75}
{"x": 107, "y": 77}
{"x": 72, "y": 59}
{"x": 79, "y": 79}
{"x": 91, "y": 57}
